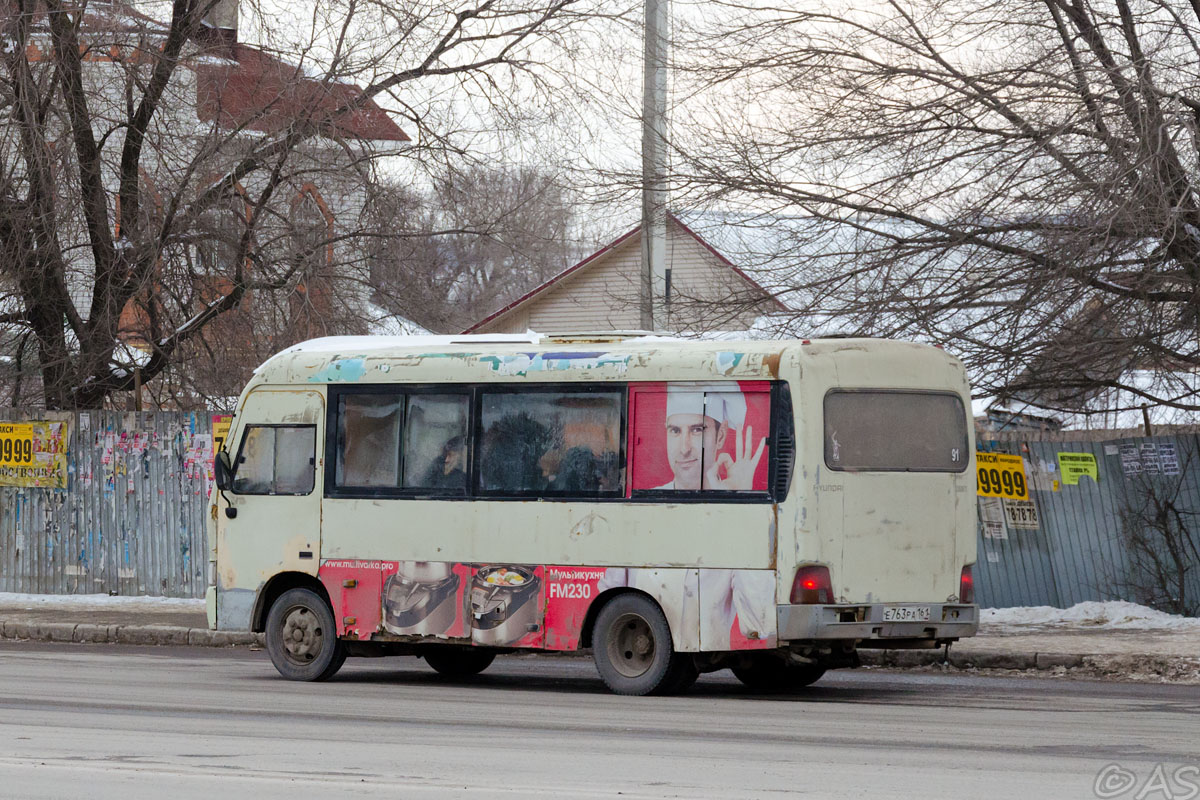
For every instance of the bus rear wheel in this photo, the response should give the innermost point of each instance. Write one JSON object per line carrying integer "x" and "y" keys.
{"x": 633, "y": 652}
{"x": 459, "y": 663}
{"x": 302, "y": 637}
{"x": 771, "y": 673}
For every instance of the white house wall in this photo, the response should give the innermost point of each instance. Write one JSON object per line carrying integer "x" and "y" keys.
{"x": 603, "y": 295}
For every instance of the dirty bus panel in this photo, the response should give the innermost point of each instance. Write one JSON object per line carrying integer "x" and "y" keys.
{"x": 651, "y": 499}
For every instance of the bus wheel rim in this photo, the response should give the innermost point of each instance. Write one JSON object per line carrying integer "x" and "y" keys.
{"x": 631, "y": 646}
{"x": 302, "y": 635}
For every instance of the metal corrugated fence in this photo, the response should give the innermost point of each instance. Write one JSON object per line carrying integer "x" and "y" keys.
{"x": 131, "y": 520}
{"x": 1081, "y": 549}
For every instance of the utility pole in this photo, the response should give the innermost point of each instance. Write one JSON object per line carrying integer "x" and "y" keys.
{"x": 654, "y": 166}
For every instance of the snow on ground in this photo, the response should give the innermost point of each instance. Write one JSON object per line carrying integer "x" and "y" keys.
{"x": 1112, "y": 615}
{"x": 140, "y": 603}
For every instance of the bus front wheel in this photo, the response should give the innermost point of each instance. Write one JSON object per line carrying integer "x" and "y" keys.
{"x": 632, "y": 649}
{"x": 302, "y": 637}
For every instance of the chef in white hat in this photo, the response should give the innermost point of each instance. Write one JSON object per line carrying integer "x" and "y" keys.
{"x": 698, "y": 422}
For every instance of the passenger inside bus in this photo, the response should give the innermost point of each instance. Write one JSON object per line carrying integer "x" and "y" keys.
{"x": 447, "y": 471}
{"x": 558, "y": 442}
{"x": 579, "y": 471}
{"x": 513, "y": 448}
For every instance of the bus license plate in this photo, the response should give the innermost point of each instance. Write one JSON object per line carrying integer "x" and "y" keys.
{"x": 906, "y": 614}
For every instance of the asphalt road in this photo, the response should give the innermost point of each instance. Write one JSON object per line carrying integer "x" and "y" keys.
{"x": 127, "y": 722}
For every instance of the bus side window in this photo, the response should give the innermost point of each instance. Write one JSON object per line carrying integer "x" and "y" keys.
{"x": 276, "y": 460}
{"x": 368, "y": 449}
{"x": 435, "y": 442}
{"x": 565, "y": 444}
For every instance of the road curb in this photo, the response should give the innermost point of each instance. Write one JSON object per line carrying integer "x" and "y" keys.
{"x": 969, "y": 660}
{"x": 176, "y": 635}
{"x": 164, "y": 635}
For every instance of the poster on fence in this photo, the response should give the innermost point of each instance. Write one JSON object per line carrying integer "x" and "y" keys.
{"x": 1131, "y": 460}
{"x": 1078, "y": 465}
{"x": 991, "y": 517}
{"x": 1001, "y": 475}
{"x": 1150, "y": 462}
{"x": 1168, "y": 458}
{"x": 33, "y": 454}
{"x": 1149, "y": 458}
{"x": 220, "y": 430}
{"x": 1022, "y": 514}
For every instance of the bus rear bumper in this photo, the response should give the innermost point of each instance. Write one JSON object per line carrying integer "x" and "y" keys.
{"x": 866, "y": 623}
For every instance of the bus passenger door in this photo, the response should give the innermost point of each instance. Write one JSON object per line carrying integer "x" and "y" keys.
{"x": 272, "y": 523}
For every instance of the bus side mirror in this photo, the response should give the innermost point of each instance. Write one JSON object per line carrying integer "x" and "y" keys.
{"x": 223, "y": 471}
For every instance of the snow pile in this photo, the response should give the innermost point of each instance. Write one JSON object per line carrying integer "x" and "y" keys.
{"x": 98, "y": 601}
{"x": 1112, "y": 615}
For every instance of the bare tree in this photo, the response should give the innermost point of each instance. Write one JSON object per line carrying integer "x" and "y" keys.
{"x": 478, "y": 240}
{"x": 1015, "y": 180}
{"x": 138, "y": 190}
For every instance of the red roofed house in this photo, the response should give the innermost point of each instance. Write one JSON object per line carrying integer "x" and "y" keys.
{"x": 705, "y": 291}
{"x": 253, "y": 90}
{"x": 281, "y": 227}
{"x": 240, "y": 90}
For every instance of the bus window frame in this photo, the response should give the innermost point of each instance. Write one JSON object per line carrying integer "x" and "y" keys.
{"x": 237, "y": 460}
{"x": 767, "y": 495}
{"x": 333, "y": 405}
{"x": 475, "y": 392}
{"x": 620, "y": 389}
{"x": 885, "y": 390}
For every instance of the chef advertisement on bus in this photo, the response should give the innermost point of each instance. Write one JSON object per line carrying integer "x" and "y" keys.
{"x": 701, "y": 437}
{"x": 709, "y": 437}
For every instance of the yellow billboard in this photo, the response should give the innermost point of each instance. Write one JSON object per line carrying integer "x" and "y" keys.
{"x": 1001, "y": 475}
{"x": 220, "y": 431}
{"x": 33, "y": 454}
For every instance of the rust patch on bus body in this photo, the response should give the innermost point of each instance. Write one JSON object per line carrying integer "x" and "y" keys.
{"x": 587, "y": 525}
{"x": 771, "y": 362}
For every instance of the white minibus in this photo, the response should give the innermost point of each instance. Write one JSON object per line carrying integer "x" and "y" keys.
{"x": 676, "y": 506}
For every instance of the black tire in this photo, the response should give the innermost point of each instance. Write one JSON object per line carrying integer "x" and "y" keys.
{"x": 771, "y": 673}
{"x": 632, "y": 648}
{"x": 454, "y": 663}
{"x": 302, "y": 637}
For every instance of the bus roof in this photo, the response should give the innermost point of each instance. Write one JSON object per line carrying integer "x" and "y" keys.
{"x": 587, "y": 356}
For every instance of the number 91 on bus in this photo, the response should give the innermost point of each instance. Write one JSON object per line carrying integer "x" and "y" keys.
{"x": 1001, "y": 475}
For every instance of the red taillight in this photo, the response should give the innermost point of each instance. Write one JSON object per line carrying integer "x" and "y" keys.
{"x": 966, "y": 586}
{"x": 812, "y": 586}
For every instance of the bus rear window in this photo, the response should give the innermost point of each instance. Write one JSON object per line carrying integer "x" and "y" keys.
{"x": 895, "y": 430}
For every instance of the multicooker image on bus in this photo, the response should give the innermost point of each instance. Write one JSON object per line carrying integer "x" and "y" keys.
{"x": 675, "y": 506}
